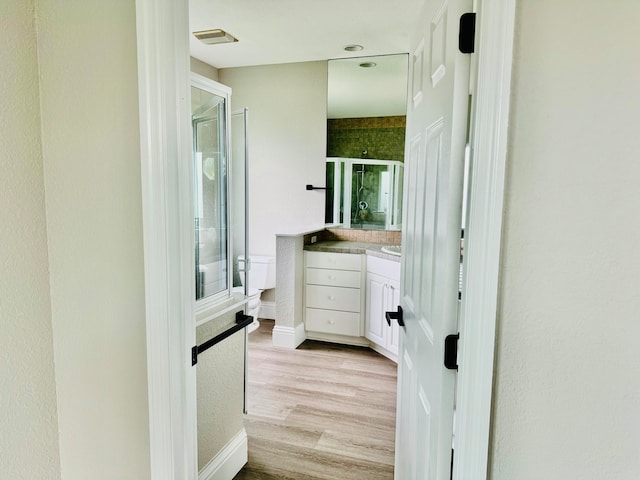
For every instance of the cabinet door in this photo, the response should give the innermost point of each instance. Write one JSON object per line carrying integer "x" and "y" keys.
{"x": 375, "y": 324}
{"x": 393, "y": 300}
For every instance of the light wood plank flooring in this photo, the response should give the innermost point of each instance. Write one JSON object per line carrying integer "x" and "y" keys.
{"x": 320, "y": 412}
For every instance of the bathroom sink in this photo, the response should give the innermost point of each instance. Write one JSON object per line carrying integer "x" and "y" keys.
{"x": 392, "y": 250}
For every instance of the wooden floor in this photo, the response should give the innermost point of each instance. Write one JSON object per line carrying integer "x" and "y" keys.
{"x": 322, "y": 411}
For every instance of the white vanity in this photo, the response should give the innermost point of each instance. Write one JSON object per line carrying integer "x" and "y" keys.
{"x": 346, "y": 296}
{"x": 334, "y": 296}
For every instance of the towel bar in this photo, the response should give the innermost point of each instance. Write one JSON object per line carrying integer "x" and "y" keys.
{"x": 242, "y": 321}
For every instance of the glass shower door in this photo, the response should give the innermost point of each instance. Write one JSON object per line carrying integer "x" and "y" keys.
{"x": 211, "y": 205}
{"x": 239, "y": 198}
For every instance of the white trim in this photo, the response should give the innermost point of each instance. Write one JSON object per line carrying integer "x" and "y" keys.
{"x": 384, "y": 352}
{"x": 359, "y": 341}
{"x": 165, "y": 143}
{"x": 229, "y": 461}
{"x": 482, "y": 238}
{"x": 268, "y": 310}
{"x": 288, "y": 337}
{"x": 234, "y": 303}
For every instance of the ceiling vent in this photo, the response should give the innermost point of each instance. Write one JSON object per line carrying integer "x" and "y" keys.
{"x": 211, "y": 37}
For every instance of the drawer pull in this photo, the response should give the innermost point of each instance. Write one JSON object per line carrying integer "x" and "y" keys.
{"x": 331, "y": 297}
{"x": 332, "y": 322}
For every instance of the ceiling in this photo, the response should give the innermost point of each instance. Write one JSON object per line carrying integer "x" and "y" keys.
{"x": 289, "y": 31}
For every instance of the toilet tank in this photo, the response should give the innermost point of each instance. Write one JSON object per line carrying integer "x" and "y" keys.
{"x": 262, "y": 272}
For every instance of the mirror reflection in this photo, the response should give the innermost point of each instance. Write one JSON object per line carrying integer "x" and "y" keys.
{"x": 366, "y": 116}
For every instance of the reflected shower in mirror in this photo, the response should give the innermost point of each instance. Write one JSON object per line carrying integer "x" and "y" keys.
{"x": 366, "y": 111}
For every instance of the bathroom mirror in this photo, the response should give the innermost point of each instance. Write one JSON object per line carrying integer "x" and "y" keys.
{"x": 366, "y": 114}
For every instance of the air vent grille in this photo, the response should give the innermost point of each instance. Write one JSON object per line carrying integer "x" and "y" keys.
{"x": 211, "y": 37}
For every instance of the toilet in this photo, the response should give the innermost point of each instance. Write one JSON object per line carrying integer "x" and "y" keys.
{"x": 262, "y": 276}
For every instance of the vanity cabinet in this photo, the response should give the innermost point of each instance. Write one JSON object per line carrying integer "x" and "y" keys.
{"x": 334, "y": 303}
{"x": 382, "y": 295}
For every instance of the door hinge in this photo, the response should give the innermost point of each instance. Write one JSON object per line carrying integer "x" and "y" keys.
{"x": 451, "y": 351}
{"x": 467, "y": 35}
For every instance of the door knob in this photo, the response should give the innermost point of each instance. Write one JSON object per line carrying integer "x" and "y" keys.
{"x": 395, "y": 316}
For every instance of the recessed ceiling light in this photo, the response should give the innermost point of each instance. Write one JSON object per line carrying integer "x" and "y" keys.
{"x": 368, "y": 65}
{"x": 353, "y": 48}
{"x": 211, "y": 37}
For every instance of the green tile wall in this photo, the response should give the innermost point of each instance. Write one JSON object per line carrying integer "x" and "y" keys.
{"x": 382, "y": 137}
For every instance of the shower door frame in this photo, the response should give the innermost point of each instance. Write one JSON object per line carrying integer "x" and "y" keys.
{"x": 224, "y": 127}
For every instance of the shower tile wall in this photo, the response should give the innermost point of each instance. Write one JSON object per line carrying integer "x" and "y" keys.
{"x": 382, "y": 137}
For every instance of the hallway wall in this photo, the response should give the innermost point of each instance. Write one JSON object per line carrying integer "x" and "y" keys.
{"x": 567, "y": 387}
{"x": 91, "y": 143}
{"x": 28, "y": 418}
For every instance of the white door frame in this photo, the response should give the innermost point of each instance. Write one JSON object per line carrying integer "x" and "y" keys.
{"x": 167, "y": 192}
{"x": 489, "y": 137}
{"x": 163, "y": 69}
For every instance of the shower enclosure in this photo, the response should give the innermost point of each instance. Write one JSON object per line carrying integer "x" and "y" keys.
{"x": 209, "y": 120}
{"x": 364, "y": 193}
{"x": 220, "y": 196}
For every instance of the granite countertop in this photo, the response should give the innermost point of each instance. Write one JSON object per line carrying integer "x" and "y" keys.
{"x": 344, "y": 246}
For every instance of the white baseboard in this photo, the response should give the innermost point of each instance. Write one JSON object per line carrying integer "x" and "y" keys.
{"x": 229, "y": 461}
{"x": 341, "y": 339}
{"x": 268, "y": 310}
{"x": 383, "y": 351}
{"x": 288, "y": 337}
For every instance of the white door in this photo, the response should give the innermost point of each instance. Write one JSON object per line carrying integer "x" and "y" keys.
{"x": 436, "y": 136}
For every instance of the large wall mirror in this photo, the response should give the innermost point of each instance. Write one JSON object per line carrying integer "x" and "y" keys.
{"x": 366, "y": 116}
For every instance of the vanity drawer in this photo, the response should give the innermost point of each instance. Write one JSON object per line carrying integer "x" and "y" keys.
{"x": 333, "y": 298}
{"x": 335, "y": 278}
{"x": 329, "y": 321}
{"x": 341, "y": 261}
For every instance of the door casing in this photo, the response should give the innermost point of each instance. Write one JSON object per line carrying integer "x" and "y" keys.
{"x": 163, "y": 79}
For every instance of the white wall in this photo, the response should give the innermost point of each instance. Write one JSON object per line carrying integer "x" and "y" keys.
{"x": 28, "y": 422}
{"x": 287, "y": 146}
{"x": 220, "y": 386}
{"x": 567, "y": 384}
{"x": 203, "y": 69}
{"x": 89, "y": 99}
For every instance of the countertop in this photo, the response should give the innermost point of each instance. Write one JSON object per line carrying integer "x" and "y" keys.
{"x": 343, "y": 246}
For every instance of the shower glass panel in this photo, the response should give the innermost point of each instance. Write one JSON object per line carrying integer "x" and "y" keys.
{"x": 211, "y": 209}
{"x": 239, "y": 197}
